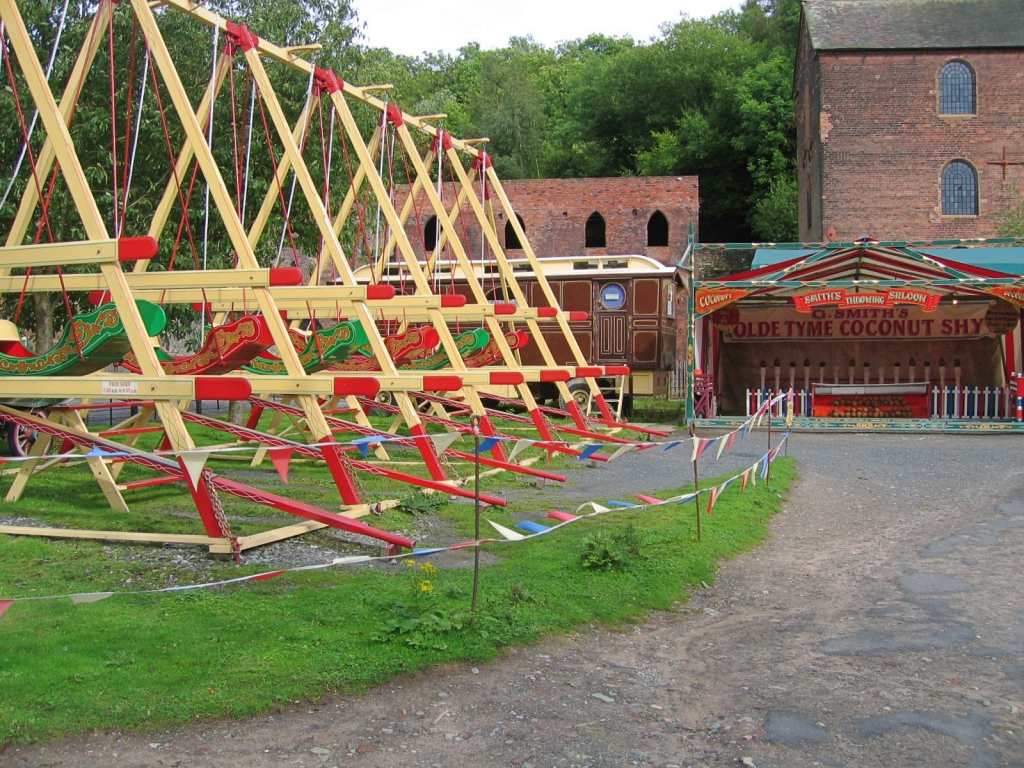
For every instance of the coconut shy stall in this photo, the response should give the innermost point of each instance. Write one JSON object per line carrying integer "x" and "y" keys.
{"x": 868, "y": 334}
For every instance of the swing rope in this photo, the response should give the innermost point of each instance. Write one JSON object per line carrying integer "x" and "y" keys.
{"x": 35, "y": 113}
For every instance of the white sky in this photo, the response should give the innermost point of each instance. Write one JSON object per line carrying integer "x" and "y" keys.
{"x": 411, "y": 27}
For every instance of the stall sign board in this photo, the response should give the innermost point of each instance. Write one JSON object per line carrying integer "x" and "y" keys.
{"x": 833, "y": 323}
{"x": 840, "y": 297}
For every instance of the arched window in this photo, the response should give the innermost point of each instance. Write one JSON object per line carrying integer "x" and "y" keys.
{"x": 511, "y": 238}
{"x": 959, "y": 189}
{"x": 430, "y": 234}
{"x": 595, "y": 231}
{"x": 956, "y": 89}
{"x": 657, "y": 230}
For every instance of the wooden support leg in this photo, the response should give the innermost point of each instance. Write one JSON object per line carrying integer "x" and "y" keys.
{"x": 27, "y": 467}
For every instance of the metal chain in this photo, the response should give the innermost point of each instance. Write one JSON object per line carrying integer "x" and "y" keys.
{"x": 353, "y": 474}
{"x": 222, "y": 519}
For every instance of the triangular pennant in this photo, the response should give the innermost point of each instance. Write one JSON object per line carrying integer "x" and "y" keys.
{"x": 4, "y": 605}
{"x": 487, "y": 444}
{"x": 96, "y": 451}
{"x": 363, "y": 444}
{"x": 267, "y": 575}
{"x": 589, "y": 450}
{"x": 348, "y": 560}
{"x": 281, "y": 458}
{"x": 696, "y": 447}
{"x": 711, "y": 499}
{"x": 506, "y": 532}
{"x": 765, "y": 462}
{"x": 194, "y": 462}
{"x": 443, "y": 441}
{"x": 753, "y": 472}
{"x": 89, "y": 597}
{"x": 519, "y": 447}
{"x": 703, "y": 447}
{"x": 671, "y": 445}
{"x": 721, "y": 447}
{"x": 686, "y": 497}
{"x": 621, "y": 450}
{"x": 730, "y": 441}
{"x": 746, "y": 477}
{"x": 597, "y": 507}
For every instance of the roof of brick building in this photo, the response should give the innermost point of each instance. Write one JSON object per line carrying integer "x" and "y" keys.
{"x": 911, "y": 24}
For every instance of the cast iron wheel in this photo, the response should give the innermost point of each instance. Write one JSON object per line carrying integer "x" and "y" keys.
{"x": 20, "y": 439}
{"x": 580, "y": 391}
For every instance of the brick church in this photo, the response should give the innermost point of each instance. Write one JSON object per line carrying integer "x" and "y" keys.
{"x": 910, "y": 117}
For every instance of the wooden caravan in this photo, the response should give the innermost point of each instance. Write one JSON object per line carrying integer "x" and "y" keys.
{"x": 621, "y": 309}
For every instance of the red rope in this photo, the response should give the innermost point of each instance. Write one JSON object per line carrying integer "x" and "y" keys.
{"x": 280, "y": 186}
{"x": 113, "y": 115}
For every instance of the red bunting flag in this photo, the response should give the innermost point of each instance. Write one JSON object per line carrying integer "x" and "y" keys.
{"x": 281, "y": 458}
{"x": 4, "y": 605}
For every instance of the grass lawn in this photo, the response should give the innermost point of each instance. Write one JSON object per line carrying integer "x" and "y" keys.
{"x": 152, "y": 661}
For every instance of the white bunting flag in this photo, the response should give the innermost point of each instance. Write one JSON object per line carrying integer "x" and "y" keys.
{"x": 353, "y": 559}
{"x": 619, "y": 451}
{"x": 506, "y": 532}
{"x": 520, "y": 446}
{"x": 443, "y": 441}
{"x": 89, "y": 597}
{"x": 194, "y": 462}
{"x": 721, "y": 447}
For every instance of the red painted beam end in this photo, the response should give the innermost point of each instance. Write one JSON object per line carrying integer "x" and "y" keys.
{"x": 136, "y": 248}
{"x": 222, "y": 388}
{"x": 547, "y": 311}
{"x": 578, "y": 317}
{"x": 380, "y": 292}
{"x": 616, "y": 370}
{"x": 588, "y": 371}
{"x": 554, "y": 376}
{"x": 504, "y": 309}
{"x": 441, "y": 383}
{"x": 286, "y": 276}
{"x": 507, "y": 377}
{"x": 359, "y": 386}
{"x": 453, "y": 300}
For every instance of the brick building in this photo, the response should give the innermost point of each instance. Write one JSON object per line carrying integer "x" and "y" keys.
{"x": 909, "y": 117}
{"x": 649, "y": 216}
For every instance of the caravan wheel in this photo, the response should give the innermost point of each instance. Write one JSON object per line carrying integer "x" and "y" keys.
{"x": 580, "y": 391}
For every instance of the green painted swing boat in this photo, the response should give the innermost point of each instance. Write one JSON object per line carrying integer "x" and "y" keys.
{"x": 90, "y": 342}
{"x": 323, "y": 348}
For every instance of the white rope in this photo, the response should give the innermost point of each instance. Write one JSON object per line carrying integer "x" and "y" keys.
{"x": 135, "y": 140}
{"x": 209, "y": 142}
{"x": 248, "y": 152}
{"x": 35, "y": 112}
{"x": 295, "y": 176}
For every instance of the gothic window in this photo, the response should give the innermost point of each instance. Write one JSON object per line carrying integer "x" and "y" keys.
{"x": 430, "y": 234}
{"x": 956, "y": 89}
{"x": 657, "y": 230}
{"x": 959, "y": 190}
{"x": 595, "y": 231}
{"x": 511, "y": 238}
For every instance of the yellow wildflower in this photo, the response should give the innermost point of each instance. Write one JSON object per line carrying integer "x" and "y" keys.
{"x": 409, "y": 563}
{"x": 429, "y": 568}
{"x": 426, "y": 586}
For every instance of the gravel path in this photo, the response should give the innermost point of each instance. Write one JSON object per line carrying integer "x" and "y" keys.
{"x": 881, "y": 625}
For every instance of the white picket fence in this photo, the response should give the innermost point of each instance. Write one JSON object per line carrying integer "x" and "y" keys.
{"x": 981, "y": 403}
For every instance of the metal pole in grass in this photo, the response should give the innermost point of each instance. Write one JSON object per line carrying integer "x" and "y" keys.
{"x": 475, "y": 423}
{"x": 696, "y": 489}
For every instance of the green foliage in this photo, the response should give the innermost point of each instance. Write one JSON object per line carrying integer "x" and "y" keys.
{"x": 775, "y": 214}
{"x": 612, "y": 551}
{"x": 416, "y": 502}
{"x": 1010, "y": 222}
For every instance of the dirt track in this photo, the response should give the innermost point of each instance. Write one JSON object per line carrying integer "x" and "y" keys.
{"x": 882, "y": 625}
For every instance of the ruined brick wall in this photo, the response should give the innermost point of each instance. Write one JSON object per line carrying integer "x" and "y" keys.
{"x": 554, "y": 213}
{"x": 883, "y": 144}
